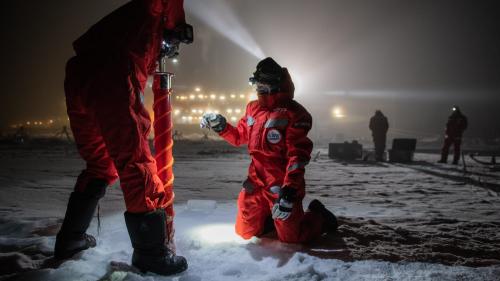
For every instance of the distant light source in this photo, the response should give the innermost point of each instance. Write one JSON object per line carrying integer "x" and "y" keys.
{"x": 222, "y": 97}
{"x": 175, "y": 60}
{"x": 192, "y": 97}
{"x": 337, "y": 112}
{"x": 197, "y": 89}
{"x": 234, "y": 119}
{"x": 212, "y": 96}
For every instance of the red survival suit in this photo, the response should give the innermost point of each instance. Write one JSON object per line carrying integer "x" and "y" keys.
{"x": 379, "y": 127}
{"x": 104, "y": 87}
{"x": 455, "y": 127}
{"x": 275, "y": 129}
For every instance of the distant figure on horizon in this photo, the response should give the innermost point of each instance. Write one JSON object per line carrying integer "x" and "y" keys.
{"x": 205, "y": 136}
{"x": 21, "y": 135}
{"x": 379, "y": 127}
{"x": 64, "y": 132}
{"x": 177, "y": 135}
{"x": 455, "y": 127}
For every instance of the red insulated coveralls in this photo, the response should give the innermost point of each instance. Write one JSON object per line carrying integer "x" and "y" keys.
{"x": 455, "y": 127}
{"x": 275, "y": 131}
{"x": 104, "y": 86}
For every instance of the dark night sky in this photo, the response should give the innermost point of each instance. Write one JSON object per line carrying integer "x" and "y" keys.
{"x": 448, "y": 49}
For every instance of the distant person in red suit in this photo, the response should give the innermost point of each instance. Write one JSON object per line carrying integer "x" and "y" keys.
{"x": 379, "y": 127}
{"x": 455, "y": 127}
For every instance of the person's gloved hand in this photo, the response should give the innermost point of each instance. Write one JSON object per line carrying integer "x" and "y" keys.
{"x": 282, "y": 209}
{"x": 213, "y": 121}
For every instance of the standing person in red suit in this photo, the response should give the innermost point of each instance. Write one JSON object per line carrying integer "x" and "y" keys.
{"x": 275, "y": 130}
{"x": 104, "y": 89}
{"x": 379, "y": 127}
{"x": 455, "y": 127}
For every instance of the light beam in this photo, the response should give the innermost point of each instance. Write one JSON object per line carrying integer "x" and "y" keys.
{"x": 218, "y": 15}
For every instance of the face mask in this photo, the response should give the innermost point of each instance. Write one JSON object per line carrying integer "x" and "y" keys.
{"x": 267, "y": 100}
{"x": 263, "y": 89}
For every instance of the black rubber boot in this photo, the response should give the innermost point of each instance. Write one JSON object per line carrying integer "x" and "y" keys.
{"x": 72, "y": 238}
{"x": 148, "y": 233}
{"x": 268, "y": 226}
{"x": 330, "y": 225}
{"x": 444, "y": 158}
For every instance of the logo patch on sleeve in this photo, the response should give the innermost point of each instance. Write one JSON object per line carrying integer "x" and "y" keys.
{"x": 273, "y": 136}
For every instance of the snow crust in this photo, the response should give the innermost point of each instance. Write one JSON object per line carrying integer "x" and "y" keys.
{"x": 399, "y": 222}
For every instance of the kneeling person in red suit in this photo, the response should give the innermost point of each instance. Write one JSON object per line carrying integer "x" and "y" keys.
{"x": 275, "y": 129}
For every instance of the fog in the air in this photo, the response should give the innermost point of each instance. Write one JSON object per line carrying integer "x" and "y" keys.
{"x": 413, "y": 60}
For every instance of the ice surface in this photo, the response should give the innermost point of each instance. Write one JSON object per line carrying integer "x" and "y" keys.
{"x": 201, "y": 205}
{"x": 399, "y": 222}
{"x": 214, "y": 252}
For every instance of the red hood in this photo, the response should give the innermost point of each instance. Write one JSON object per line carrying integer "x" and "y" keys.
{"x": 285, "y": 94}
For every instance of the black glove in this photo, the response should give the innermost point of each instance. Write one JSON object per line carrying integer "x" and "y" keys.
{"x": 283, "y": 207}
{"x": 213, "y": 121}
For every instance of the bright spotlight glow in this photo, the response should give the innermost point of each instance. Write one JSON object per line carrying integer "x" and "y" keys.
{"x": 177, "y": 112}
{"x": 234, "y": 119}
{"x": 218, "y": 15}
{"x": 212, "y": 96}
{"x": 237, "y": 110}
{"x": 229, "y": 110}
{"x": 197, "y": 89}
{"x": 192, "y": 97}
{"x": 233, "y": 96}
{"x": 337, "y": 112}
{"x": 242, "y": 96}
{"x": 222, "y": 97}
{"x": 216, "y": 234}
{"x": 175, "y": 60}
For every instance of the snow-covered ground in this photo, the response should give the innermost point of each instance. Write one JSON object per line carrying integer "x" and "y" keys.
{"x": 399, "y": 222}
